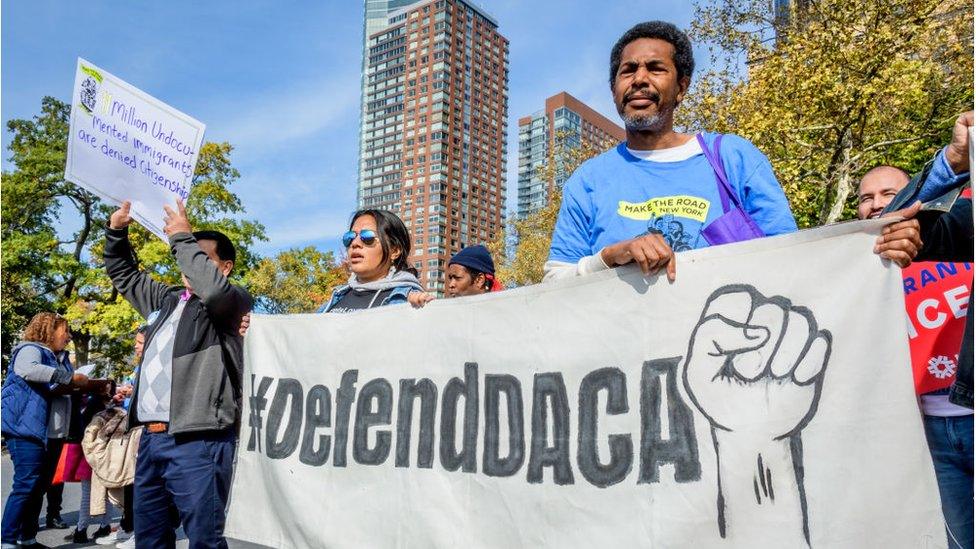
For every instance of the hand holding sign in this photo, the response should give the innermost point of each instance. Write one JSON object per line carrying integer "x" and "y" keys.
{"x": 755, "y": 369}
{"x": 120, "y": 218}
{"x": 176, "y": 221}
{"x": 957, "y": 153}
{"x": 650, "y": 251}
{"x": 901, "y": 241}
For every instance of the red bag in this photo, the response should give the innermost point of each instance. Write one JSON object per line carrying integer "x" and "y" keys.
{"x": 59, "y": 472}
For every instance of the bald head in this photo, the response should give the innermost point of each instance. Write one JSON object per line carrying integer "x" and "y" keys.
{"x": 878, "y": 187}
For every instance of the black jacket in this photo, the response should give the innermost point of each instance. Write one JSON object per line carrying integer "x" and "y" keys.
{"x": 949, "y": 237}
{"x": 208, "y": 352}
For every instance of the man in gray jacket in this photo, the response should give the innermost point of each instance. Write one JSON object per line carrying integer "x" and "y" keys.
{"x": 187, "y": 393}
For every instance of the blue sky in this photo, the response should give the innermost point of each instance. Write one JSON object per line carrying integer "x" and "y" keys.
{"x": 280, "y": 81}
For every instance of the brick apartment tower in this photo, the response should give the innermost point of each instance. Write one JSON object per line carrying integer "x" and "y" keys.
{"x": 537, "y": 134}
{"x": 433, "y": 129}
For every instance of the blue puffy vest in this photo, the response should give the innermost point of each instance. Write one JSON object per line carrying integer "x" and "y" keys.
{"x": 25, "y": 403}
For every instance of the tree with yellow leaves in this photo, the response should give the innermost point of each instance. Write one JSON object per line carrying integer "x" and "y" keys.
{"x": 833, "y": 88}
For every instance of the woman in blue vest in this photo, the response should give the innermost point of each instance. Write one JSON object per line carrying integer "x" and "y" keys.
{"x": 34, "y": 401}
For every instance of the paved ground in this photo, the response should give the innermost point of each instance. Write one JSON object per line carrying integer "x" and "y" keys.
{"x": 72, "y": 498}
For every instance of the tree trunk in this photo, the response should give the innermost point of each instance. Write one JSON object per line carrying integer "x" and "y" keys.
{"x": 81, "y": 341}
{"x": 80, "y": 245}
{"x": 842, "y": 191}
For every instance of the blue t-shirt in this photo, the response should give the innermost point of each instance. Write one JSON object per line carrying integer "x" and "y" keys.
{"x": 617, "y": 196}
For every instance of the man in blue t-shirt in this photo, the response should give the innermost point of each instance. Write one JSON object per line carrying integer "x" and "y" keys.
{"x": 654, "y": 194}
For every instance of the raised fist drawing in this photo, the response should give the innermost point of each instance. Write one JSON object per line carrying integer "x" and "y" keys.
{"x": 756, "y": 363}
{"x": 755, "y": 368}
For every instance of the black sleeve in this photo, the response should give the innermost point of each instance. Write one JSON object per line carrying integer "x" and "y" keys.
{"x": 949, "y": 237}
{"x": 138, "y": 288}
{"x": 225, "y": 303}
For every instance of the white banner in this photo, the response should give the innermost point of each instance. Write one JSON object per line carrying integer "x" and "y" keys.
{"x": 764, "y": 399}
{"x": 126, "y": 145}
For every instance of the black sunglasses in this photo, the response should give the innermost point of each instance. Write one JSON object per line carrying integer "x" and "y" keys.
{"x": 368, "y": 237}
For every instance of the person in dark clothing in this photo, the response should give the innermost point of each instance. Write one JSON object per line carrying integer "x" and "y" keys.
{"x": 77, "y": 469}
{"x": 123, "y": 537}
{"x": 949, "y": 237}
{"x": 55, "y": 494}
{"x": 187, "y": 394}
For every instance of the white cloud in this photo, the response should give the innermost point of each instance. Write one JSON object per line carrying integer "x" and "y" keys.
{"x": 281, "y": 116}
{"x": 296, "y": 150}
{"x": 310, "y": 207}
{"x": 321, "y": 230}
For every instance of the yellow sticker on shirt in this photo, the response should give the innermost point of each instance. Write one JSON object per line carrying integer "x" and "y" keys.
{"x": 691, "y": 207}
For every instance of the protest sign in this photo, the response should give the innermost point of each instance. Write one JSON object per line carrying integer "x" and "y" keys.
{"x": 936, "y": 300}
{"x": 126, "y": 145}
{"x": 763, "y": 399}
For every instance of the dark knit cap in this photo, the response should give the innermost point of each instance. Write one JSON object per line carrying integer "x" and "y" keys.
{"x": 476, "y": 258}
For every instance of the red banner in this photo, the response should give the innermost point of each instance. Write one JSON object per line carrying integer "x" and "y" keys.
{"x": 936, "y": 300}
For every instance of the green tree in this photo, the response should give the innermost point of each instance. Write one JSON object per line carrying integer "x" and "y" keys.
{"x": 295, "y": 281}
{"x": 37, "y": 267}
{"x": 833, "y": 88}
{"x": 43, "y": 270}
{"x": 520, "y": 252}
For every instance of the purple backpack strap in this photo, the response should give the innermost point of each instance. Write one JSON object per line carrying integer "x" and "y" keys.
{"x": 734, "y": 225}
{"x": 714, "y": 158}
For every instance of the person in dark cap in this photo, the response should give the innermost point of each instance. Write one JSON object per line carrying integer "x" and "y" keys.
{"x": 471, "y": 272}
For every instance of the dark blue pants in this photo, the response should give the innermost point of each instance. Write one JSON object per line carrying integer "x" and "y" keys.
{"x": 33, "y": 470}
{"x": 192, "y": 472}
{"x": 951, "y": 443}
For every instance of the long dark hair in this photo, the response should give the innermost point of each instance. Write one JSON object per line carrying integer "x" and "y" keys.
{"x": 393, "y": 234}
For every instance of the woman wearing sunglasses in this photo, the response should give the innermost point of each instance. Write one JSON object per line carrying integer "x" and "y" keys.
{"x": 377, "y": 247}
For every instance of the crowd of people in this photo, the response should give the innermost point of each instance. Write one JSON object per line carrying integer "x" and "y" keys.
{"x": 658, "y": 193}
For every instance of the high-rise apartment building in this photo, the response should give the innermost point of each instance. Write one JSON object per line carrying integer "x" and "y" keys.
{"x": 575, "y": 123}
{"x": 433, "y": 130}
{"x": 376, "y": 16}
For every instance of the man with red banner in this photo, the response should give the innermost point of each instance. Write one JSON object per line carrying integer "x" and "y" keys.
{"x": 936, "y": 300}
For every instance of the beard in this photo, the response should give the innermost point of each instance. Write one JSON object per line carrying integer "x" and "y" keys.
{"x": 648, "y": 122}
{"x": 644, "y": 123}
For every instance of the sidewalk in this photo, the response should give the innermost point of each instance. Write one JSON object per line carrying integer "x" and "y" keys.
{"x": 72, "y": 499}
